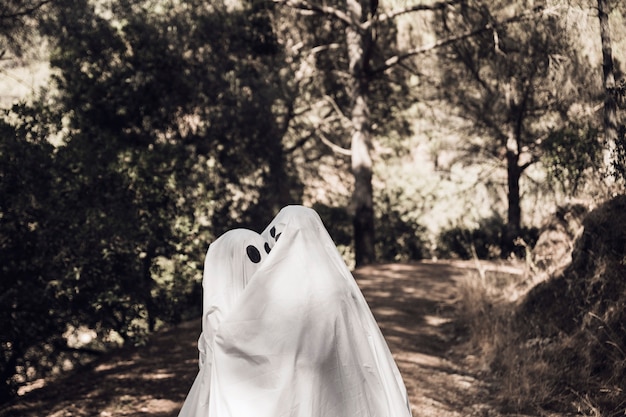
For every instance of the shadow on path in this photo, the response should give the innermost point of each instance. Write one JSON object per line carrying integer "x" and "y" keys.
{"x": 413, "y": 304}
{"x": 414, "y": 307}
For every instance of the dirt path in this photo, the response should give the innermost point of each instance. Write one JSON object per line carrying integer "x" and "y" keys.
{"x": 414, "y": 307}
{"x": 413, "y": 304}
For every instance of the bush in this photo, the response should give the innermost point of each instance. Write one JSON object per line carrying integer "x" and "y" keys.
{"x": 399, "y": 237}
{"x": 563, "y": 346}
{"x": 397, "y": 240}
{"x": 482, "y": 242}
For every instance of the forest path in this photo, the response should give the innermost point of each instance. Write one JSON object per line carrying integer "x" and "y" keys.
{"x": 413, "y": 304}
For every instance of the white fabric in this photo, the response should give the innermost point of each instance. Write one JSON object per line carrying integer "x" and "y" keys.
{"x": 300, "y": 340}
{"x": 227, "y": 270}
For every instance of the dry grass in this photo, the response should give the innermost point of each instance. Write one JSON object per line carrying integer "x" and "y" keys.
{"x": 561, "y": 346}
{"x": 513, "y": 366}
{"x": 524, "y": 380}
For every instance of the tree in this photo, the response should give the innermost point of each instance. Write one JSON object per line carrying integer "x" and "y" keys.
{"x": 161, "y": 118}
{"x": 17, "y": 24}
{"x": 613, "y": 143}
{"x": 514, "y": 83}
{"x": 24, "y": 243}
{"x": 364, "y": 54}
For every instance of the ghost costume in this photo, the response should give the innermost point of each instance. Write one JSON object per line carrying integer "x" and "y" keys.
{"x": 301, "y": 341}
{"x": 230, "y": 262}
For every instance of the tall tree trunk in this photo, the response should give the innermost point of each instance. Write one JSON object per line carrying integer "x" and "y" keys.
{"x": 148, "y": 283}
{"x": 514, "y": 212}
{"x": 514, "y": 173}
{"x": 8, "y": 371}
{"x": 359, "y": 43}
{"x": 362, "y": 197}
{"x": 610, "y": 106}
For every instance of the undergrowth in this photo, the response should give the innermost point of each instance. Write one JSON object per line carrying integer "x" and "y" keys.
{"x": 539, "y": 373}
{"x": 559, "y": 347}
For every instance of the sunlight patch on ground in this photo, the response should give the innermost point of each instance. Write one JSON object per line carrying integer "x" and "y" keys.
{"x": 464, "y": 381}
{"x": 147, "y": 405}
{"x": 428, "y": 407}
{"x": 148, "y": 376}
{"x": 436, "y": 320}
{"x": 420, "y": 359}
{"x": 160, "y": 374}
{"x": 386, "y": 311}
{"x": 408, "y": 290}
{"x": 108, "y": 366}
{"x": 382, "y": 294}
{"x": 39, "y": 383}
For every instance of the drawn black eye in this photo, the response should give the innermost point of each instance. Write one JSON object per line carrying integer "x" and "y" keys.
{"x": 277, "y": 236}
{"x": 267, "y": 247}
{"x": 253, "y": 254}
{"x": 273, "y": 231}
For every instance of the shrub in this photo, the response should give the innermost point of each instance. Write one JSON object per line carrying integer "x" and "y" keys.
{"x": 563, "y": 346}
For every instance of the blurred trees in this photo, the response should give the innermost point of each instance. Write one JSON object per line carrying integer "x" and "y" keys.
{"x": 165, "y": 136}
{"x": 17, "y": 24}
{"x": 364, "y": 78}
{"x": 518, "y": 84}
{"x": 614, "y": 133}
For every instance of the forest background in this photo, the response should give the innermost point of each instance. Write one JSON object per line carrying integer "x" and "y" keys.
{"x": 134, "y": 133}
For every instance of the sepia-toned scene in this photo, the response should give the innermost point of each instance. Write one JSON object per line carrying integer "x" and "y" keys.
{"x": 312, "y": 208}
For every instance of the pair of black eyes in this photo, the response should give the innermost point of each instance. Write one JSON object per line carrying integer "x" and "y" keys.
{"x": 273, "y": 233}
{"x": 253, "y": 253}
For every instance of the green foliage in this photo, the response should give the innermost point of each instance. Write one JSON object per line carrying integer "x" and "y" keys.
{"x": 483, "y": 241}
{"x": 516, "y": 84}
{"x": 570, "y": 153}
{"x": 166, "y": 136}
{"x": 337, "y": 221}
{"x": 18, "y": 25}
{"x": 578, "y": 315}
{"x": 25, "y": 245}
{"x": 399, "y": 237}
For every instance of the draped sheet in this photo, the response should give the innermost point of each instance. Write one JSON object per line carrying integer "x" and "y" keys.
{"x": 300, "y": 339}
{"x": 230, "y": 262}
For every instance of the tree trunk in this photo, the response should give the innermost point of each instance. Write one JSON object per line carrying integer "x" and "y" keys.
{"x": 359, "y": 43}
{"x": 610, "y": 106}
{"x": 8, "y": 371}
{"x": 514, "y": 173}
{"x": 148, "y": 283}
{"x": 514, "y": 212}
{"x": 362, "y": 196}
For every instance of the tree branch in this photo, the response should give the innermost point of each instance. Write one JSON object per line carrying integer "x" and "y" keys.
{"x": 390, "y": 62}
{"x": 25, "y": 12}
{"x": 300, "y": 143}
{"x": 440, "y": 5}
{"x": 335, "y": 106}
{"x": 305, "y": 6}
{"x": 336, "y": 148}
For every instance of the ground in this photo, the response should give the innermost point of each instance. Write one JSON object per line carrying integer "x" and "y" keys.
{"x": 414, "y": 305}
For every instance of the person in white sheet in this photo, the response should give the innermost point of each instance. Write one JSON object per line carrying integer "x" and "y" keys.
{"x": 230, "y": 262}
{"x": 300, "y": 340}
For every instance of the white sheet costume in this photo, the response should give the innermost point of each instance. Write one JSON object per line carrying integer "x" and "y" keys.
{"x": 230, "y": 262}
{"x": 300, "y": 340}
